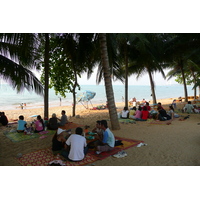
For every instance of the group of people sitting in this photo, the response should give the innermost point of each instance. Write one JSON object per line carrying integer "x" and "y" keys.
{"x": 3, "y": 119}
{"x": 142, "y": 113}
{"x": 74, "y": 147}
{"x": 39, "y": 124}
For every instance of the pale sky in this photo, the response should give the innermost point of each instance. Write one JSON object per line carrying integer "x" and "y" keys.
{"x": 144, "y": 80}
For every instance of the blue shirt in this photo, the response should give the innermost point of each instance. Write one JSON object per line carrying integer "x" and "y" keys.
{"x": 21, "y": 124}
{"x": 108, "y": 138}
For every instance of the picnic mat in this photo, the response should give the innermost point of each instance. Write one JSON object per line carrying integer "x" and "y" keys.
{"x": 18, "y": 137}
{"x": 44, "y": 156}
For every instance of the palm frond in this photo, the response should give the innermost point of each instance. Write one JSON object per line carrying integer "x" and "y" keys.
{"x": 19, "y": 77}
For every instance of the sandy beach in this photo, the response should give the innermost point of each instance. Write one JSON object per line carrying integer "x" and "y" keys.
{"x": 177, "y": 144}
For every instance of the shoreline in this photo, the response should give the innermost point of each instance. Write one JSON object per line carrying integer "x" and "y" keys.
{"x": 13, "y": 114}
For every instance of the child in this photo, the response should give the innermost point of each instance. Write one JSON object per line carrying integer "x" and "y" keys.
{"x": 21, "y": 124}
{"x": 39, "y": 124}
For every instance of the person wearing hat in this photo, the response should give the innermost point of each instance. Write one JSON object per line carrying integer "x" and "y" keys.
{"x": 75, "y": 146}
{"x": 58, "y": 141}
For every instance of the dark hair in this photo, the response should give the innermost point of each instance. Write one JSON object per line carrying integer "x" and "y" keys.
{"x": 104, "y": 122}
{"x": 171, "y": 107}
{"x": 144, "y": 108}
{"x": 189, "y": 102}
{"x": 79, "y": 131}
{"x": 125, "y": 108}
{"x": 63, "y": 111}
{"x": 21, "y": 117}
{"x": 98, "y": 122}
{"x": 147, "y": 103}
{"x": 140, "y": 108}
{"x": 134, "y": 108}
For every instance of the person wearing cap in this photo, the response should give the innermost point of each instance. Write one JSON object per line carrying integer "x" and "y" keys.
{"x": 58, "y": 141}
{"x": 52, "y": 123}
{"x": 75, "y": 146}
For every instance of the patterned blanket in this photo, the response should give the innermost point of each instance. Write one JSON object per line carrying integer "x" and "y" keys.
{"x": 44, "y": 156}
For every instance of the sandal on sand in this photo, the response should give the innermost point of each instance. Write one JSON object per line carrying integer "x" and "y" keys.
{"x": 120, "y": 154}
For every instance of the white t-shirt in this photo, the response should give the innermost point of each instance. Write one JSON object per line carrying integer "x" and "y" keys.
{"x": 125, "y": 113}
{"x": 77, "y": 144}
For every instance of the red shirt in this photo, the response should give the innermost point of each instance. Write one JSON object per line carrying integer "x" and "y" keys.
{"x": 145, "y": 114}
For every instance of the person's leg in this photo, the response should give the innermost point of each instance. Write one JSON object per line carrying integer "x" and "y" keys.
{"x": 65, "y": 153}
{"x": 85, "y": 150}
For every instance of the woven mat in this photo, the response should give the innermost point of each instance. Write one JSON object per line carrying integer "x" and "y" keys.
{"x": 18, "y": 137}
{"x": 44, "y": 156}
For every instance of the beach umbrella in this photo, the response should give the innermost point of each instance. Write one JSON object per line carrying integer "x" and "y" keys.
{"x": 85, "y": 96}
{"x": 33, "y": 116}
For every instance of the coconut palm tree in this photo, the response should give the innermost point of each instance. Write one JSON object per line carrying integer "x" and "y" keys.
{"x": 17, "y": 58}
{"x": 147, "y": 58}
{"x": 108, "y": 83}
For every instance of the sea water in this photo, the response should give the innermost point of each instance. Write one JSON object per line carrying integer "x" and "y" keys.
{"x": 10, "y": 99}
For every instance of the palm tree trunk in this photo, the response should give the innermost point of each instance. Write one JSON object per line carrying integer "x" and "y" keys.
{"x": 152, "y": 86}
{"x": 126, "y": 77}
{"x": 74, "y": 93}
{"x": 195, "y": 80}
{"x": 46, "y": 69}
{"x": 184, "y": 82}
{"x": 108, "y": 83}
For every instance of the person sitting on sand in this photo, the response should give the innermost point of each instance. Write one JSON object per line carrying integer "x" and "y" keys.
{"x": 148, "y": 106}
{"x": 145, "y": 113}
{"x": 58, "y": 141}
{"x": 75, "y": 146}
{"x": 159, "y": 105}
{"x": 189, "y": 108}
{"x": 108, "y": 141}
{"x": 39, "y": 124}
{"x": 162, "y": 114}
{"x": 21, "y": 124}
{"x": 3, "y": 119}
{"x": 125, "y": 113}
{"x": 196, "y": 110}
{"x": 52, "y": 123}
{"x": 138, "y": 114}
{"x": 63, "y": 119}
{"x": 132, "y": 113}
{"x": 171, "y": 112}
{"x": 98, "y": 129}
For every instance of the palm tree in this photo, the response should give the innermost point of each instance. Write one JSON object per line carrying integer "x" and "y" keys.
{"x": 108, "y": 83}
{"x": 46, "y": 78}
{"x": 17, "y": 58}
{"x": 146, "y": 58}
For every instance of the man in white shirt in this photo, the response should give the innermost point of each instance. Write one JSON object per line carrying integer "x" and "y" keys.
{"x": 76, "y": 146}
{"x": 189, "y": 107}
